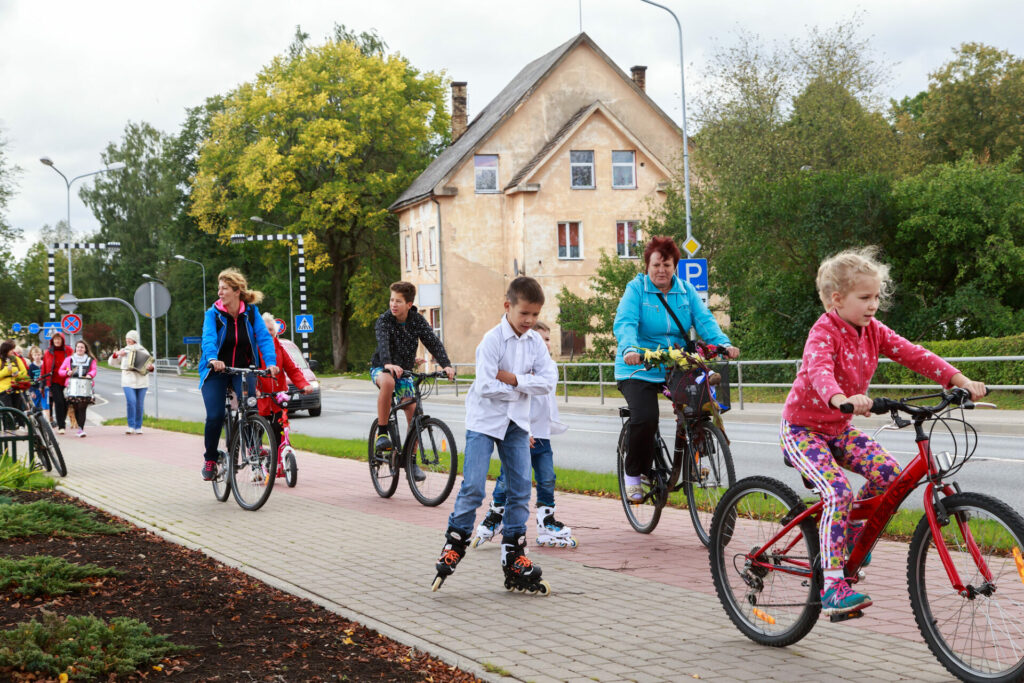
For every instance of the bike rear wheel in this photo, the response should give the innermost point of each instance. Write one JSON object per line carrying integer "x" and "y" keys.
{"x": 433, "y": 449}
{"x": 980, "y": 636}
{"x": 42, "y": 448}
{"x": 253, "y": 462}
{"x": 53, "y": 452}
{"x": 774, "y": 598}
{"x": 384, "y": 465}
{"x": 707, "y": 473}
{"x": 643, "y": 516}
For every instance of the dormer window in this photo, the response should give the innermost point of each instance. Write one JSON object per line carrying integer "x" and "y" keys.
{"x": 486, "y": 169}
{"x": 581, "y": 168}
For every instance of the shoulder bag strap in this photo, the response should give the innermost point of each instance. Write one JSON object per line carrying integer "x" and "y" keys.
{"x": 668, "y": 308}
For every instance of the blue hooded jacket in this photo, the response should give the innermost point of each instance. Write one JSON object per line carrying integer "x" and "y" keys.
{"x": 213, "y": 335}
{"x": 641, "y": 321}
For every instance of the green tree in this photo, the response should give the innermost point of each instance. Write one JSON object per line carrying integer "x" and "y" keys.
{"x": 12, "y": 303}
{"x": 594, "y": 316}
{"x": 322, "y": 141}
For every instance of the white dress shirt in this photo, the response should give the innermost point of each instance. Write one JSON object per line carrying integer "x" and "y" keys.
{"x": 491, "y": 405}
{"x": 544, "y": 418}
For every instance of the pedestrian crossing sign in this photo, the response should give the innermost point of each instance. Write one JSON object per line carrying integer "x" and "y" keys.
{"x": 304, "y": 324}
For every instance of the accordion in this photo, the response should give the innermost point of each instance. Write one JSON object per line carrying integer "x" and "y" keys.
{"x": 139, "y": 361}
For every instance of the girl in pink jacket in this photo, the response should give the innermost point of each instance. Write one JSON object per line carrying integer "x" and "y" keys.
{"x": 840, "y": 357}
{"x": 80, "y": 364}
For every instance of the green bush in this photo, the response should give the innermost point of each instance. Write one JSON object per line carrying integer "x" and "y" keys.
{"x": 1002, "y": 372}
{"x": 14, "y": 475}
{"x": 47, "y": 575}
{"x": 84, "y": 648}
{"x": 43, "y": 517}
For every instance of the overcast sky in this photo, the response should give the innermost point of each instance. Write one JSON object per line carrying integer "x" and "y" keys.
{"x": 72, "y": 74}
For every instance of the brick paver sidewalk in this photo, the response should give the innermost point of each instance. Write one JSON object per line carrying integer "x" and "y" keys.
{"x": 625, "y": 606}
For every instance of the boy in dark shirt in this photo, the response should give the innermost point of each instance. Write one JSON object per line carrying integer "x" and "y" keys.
{"x": 399, "y": 331}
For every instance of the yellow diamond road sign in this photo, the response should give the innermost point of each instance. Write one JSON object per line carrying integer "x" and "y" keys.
{"x": 691, "y": 246}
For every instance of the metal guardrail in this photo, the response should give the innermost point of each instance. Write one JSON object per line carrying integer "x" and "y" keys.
{"x": 167, "y": 365}
{"x": 608, "y": 370}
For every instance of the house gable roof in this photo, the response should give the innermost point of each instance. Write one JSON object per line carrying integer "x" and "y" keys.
{"x": 497, "y": 112}
{"x": 575, "y": 122}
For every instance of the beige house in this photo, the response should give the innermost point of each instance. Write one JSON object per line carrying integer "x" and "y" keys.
{"x": 563, "y": 163}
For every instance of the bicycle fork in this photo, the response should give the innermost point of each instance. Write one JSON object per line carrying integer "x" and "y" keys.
{"x": 937, "y": 517}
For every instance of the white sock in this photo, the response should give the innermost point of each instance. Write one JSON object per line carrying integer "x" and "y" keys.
{"x": 833, "y": 575}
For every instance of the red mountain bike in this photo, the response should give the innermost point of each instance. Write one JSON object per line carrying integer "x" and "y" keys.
{"x": 965, "y": 571}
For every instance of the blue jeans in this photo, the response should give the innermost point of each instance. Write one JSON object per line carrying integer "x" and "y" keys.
{"x": 514, "y": 453}
{"x": 543, "y": 471}
{"x": 214, "y": 390}
{"x": 134, "y": 398}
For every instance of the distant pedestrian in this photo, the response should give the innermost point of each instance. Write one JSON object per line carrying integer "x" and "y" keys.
{"x": 135, "y": 364}
{"x": 52, "y": 360}
{"x": 40, "y": 394}
{"x": 80, "y": 364}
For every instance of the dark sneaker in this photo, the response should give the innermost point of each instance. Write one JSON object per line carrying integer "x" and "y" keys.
{"x": 840, "y": 599}
{"x": 417, "y": 473}
{"x": 383, "y": 443}
{"x": 209, "y": 470}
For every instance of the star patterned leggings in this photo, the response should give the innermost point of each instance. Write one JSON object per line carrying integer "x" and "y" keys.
{"x": 821, "y": 459}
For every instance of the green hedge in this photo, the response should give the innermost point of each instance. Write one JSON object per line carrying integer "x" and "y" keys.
{"x": 1002, "y": 372}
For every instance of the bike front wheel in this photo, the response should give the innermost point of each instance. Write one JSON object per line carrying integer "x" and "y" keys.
{"x": 383, "y": 464}
{"x": 252, "y": 462}
{"x": 53, "y": 452}
{"x": 291, "y": 468}
{"x": 769, "y": 583}
{"x": 707, "y": 473}
{"x": 643, "y": 515}
{"x": 977, "y": 635}
{"x": 431, "y": 461}
{"x": 42, "y": 450}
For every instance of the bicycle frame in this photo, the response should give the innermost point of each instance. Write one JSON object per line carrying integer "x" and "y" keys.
{"x": 401, "y": 404}
{"x": 878, "y": 510}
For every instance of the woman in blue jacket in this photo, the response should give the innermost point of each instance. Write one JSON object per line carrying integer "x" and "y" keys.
{"x": 643, "y": 321}
{"x": 233, "y": 333}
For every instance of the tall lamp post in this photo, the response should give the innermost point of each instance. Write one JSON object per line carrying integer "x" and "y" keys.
{"x": 182, "y": 258}
{"x": 284, "y": 237}
{"x": 691, "y": 245}
{"x": 47, "y": 161}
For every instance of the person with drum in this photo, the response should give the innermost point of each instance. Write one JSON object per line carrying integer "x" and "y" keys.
{"x": 52, "y": 360}
{"x": 135, "y": 364}
{"x": 77, "y": 371}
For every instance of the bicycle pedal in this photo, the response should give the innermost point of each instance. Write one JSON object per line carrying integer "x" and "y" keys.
{"x": 855, "y": 614}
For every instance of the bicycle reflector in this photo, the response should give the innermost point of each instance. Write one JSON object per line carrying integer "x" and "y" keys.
{"x": 944, "y": 460}
{"x": 1019, "y": 561}
{"x": 763, "y": 616}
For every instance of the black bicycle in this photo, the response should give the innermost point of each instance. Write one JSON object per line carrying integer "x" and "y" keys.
{"x": 701, "y": 453}
{"x": 45, "y": 445}
{"x": 249, "y": 466}
{"x": 429, "y": 454}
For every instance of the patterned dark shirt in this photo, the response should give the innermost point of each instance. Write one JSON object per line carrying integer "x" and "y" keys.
{"x": 397, "y": 343}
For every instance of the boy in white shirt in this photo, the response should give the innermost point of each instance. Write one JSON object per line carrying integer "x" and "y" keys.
{"x": 512, "y": 364}
{"x": 544, "y": 423}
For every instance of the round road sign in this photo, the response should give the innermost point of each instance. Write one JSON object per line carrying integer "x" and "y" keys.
{"x": 152, "y": 299}
{"x": 71, "y": 323}
{"x": 281, "y": 327}
{"x": 33, "y": 328}
{"x": 16, "y": 327}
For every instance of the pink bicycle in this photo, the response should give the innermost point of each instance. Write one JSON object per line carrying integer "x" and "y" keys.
{"x": 287, "y": 465}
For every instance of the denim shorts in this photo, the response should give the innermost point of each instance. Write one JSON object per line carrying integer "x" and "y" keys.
{"x": 403, "y": 385}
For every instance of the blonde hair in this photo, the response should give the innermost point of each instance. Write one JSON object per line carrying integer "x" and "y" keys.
{"x": 839, "y": 273}
{"x": 541, "y": 325}
{"x": 234, "y": 279}
{"x": 32, "y": 349}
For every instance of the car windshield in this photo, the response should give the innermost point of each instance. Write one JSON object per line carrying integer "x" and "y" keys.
{"x": 296, "y": 356}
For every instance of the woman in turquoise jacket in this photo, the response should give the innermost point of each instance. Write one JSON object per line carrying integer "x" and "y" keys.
{"x": 643, "y": 321}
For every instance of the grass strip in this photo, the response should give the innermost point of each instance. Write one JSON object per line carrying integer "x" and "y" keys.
{"x": 43, "y": 517}
{"x": 83, "y": 648}
{"x": 47, "y": 575}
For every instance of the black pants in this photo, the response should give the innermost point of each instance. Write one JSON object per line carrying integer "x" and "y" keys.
{"x": 7, "y": 421}
{"x": 642, "y": 399}
{"x": 59, "y": 405}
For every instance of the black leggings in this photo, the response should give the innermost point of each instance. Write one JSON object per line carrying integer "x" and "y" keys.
{"x": 642, "y": 399}
{"x": 80, "y": 407}
{"x": 59, "y": 405}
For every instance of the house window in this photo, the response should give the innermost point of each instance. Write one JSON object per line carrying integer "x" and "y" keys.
{"x": 435, "y": 321}
{"x": 624, "y": 170}
{"x": 573, "y": 344}
{"x": 408, "y": 253}
{"x": 419, "y": 249}
{"x": 581, "y": 166}
{"x": 569, "y": 240}
{"x": 432, "y": 245}
{"x": 627, "y": 237}
{"x": 486, "y": 167}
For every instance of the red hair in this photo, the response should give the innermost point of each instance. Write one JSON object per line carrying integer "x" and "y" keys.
{"x": 665, "y": 246}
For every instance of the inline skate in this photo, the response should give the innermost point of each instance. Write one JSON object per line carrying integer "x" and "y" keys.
{"x": 521, "y": 573}
{"x": 550, "y": 531}
{"x": 490, "y": 526}
{"x": 453, "y": 551}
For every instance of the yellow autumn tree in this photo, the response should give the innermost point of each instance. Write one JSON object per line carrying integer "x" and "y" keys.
{"x": 322, "y": 141}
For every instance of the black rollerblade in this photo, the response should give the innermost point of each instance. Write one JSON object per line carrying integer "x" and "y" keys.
{"x": 521, "y": 573}
{"x": 453, "y": 551}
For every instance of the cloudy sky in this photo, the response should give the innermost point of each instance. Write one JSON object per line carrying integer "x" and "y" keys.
{"x": 72, "y": 74}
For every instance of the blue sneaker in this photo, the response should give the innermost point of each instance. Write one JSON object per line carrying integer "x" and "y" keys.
{"x": 840, "y": 599}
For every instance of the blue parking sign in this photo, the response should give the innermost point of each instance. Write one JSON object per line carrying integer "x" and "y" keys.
{"x": 694, "y": 271}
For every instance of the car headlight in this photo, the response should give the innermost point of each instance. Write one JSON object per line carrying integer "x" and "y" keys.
{"x": 315, "y": 384}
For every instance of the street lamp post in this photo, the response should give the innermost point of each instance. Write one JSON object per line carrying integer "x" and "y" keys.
{"x": 182, "y": 258}
{"x": 686, "y": 145}
{"x": 117, "y": 166}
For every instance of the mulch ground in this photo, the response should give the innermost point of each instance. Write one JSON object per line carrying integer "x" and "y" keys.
{"x": 240, "y": 629}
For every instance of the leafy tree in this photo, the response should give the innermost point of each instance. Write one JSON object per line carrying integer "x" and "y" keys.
{"x": 12, "y": 302}
{"x": 595, "y": 315}
{"x": 322, "y": 141}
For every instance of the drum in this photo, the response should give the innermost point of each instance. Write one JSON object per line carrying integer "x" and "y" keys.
{"x": 79, "y": 390}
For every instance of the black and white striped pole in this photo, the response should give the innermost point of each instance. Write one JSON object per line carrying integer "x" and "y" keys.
{"x": 51, "y": 276}
{"x": 285, "y": 237}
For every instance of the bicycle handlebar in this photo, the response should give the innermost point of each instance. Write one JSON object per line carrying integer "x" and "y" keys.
{"x": 880, "y": 406}
{"x": 228, "y": 370}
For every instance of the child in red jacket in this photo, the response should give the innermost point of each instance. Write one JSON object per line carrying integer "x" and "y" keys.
{"x": 840, "y": 357}
{"x": 267, "y": 406}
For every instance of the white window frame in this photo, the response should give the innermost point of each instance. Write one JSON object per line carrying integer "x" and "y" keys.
{"x": 432, "y": 246}
{"x": 408, "y": 253}
{"x": 568, "y": 247}
{"x": 619, "y": 164}
{"x": 591, "y": 164}
{"x": 625, "y": 246}
{"x": 419, "y": 249}
{"x": 477, "y": 170}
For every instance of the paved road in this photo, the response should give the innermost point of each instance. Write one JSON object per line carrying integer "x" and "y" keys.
{"x": 589, "y": 445}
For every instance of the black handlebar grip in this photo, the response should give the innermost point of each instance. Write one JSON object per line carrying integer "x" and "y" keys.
{"x": 846, "y": 408}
